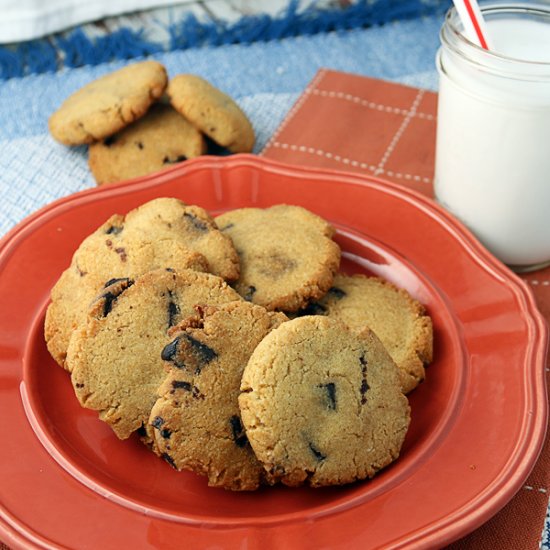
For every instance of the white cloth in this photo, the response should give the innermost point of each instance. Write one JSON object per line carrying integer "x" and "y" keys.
{"x": 27, "y": 19}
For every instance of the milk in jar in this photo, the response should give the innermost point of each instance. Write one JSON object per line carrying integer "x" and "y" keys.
{"x": 493, "y": 131}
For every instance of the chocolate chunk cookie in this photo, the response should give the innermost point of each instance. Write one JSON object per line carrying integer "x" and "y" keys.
{"x": 196, "y": 420}
{"x": 212, "y": 112}
{"x": 287, "y": 255}
{"x": 161, "y": 233}
{"x": 397, "y": 319}
{"x": 108, "y": 104}
{"x": 161, "y": 138}
{"x": 115, "y": 357}
{"x": 321, "y": 404}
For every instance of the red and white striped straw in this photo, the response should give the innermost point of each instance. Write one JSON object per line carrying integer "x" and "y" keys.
{"x": 475, "y": 28}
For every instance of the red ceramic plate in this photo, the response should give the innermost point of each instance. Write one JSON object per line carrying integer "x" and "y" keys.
{"x": 478, "y": 421}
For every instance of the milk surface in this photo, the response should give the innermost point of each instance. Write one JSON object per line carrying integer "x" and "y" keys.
{"x": 527, "y": 39}
{"x": 493, "y": 146}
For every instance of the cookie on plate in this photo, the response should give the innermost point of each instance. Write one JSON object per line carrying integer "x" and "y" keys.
{"x": 287, "y": 255}
{"x": 212, "y": 112}
{"x": 115, "y": 357}
{"x": 196, "y": 420}
{"x": 397, "y": 319}
{"x": 160, "y": 233}
{"x": 161, "y": 138}
{"x": 108, "y": 104}
{"x": 322, "y": 405}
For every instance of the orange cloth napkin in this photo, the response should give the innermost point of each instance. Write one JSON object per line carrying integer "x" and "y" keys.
{"x": 349, "y": 122}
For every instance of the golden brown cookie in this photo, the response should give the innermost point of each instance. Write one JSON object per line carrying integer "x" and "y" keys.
{"x": 160, "y": 233}
{"x": 108, "y": 104}
{"x": 321, "y": 404}
{"x": 212, "y": 112}
{"x": 115, "y": 357}
{"x": 161, "y": 138}
{"x": 196, "y": 420}
{"x": 397, "y": 319}
{"x": 287, "y": 255}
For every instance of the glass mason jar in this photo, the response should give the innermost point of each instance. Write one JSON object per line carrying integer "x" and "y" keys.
{"x": 492, "y": 167}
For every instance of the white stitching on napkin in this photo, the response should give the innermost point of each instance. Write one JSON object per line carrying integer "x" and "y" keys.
{"x": 348, "y": 161}
{"x": 399, "y": 133}
{"x": 534, "y": 282}
{"x": 377, "y": 170}
{"x": 326, "y": 154}
{"x": 370, "y": 104}
{"x": 539, "y": 490}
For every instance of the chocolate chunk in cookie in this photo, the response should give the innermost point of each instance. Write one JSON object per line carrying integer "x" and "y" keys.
{"x": 186, "y": 352}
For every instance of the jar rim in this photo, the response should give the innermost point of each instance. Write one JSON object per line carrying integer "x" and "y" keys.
{"x": 454, "y": 39}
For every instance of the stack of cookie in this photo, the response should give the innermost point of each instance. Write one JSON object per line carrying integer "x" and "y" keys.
{"x": 137, "y": 122}
{"x": 235, "y": 348}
